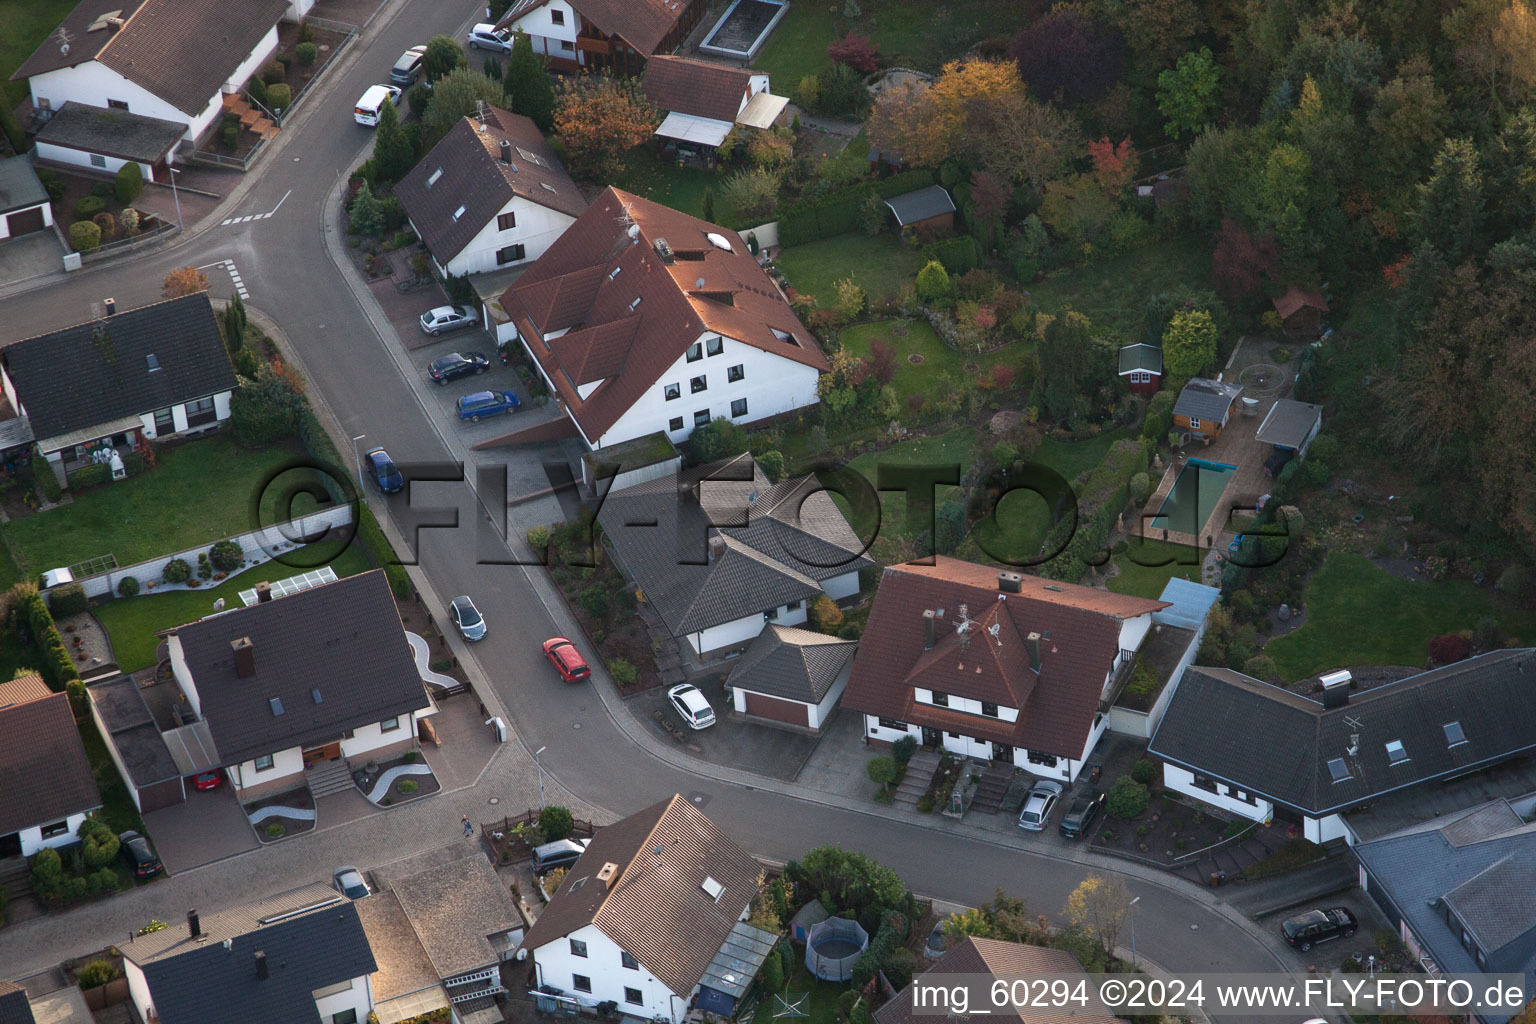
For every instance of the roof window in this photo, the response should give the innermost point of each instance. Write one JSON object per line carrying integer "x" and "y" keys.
{"x": 276, "y": 704}
{"x": 713, "y": 889}
{"x": 1453, "y": 734}
{"x": 1338, "y": 769}
{"x": 457, "y": 214}
{"x": 432, "y": 179}
{"x": 1396, "y": 752}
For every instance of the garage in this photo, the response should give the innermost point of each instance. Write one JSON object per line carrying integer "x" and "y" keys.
{"x": 24, "y": 208}
{"x": 25, "y": 222}
{"x": 776, "y": 710}
{"x": 792, "y": 677}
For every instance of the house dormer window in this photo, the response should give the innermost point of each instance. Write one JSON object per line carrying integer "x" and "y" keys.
{"x": 990, "y": 710}
{"x": 940, "y": 699}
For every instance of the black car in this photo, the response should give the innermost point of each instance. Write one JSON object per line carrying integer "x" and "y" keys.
{"x": 1079, "y": 817}
{"x": 1306, "y": 930}
{"x": 457, "y": 364}
{"x": 141, "y": 854}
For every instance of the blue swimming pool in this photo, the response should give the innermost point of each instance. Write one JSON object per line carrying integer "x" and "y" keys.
{"x": 1194, "y": 496}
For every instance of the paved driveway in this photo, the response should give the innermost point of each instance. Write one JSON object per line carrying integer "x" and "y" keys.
{"x": 40, "y": 252}
{"x": 732, "y": 741}
{"x": 208, "y": 827}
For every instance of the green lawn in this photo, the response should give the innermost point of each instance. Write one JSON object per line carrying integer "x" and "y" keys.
{"x": 1113, "y": 293}
{"x": 1358, "y": 614}
{"x": 879, "y": 265}
{"x": 682, "y": 188}
{"x": 26, "y": 24}
{"x": 953, "y": 448}
{"x": 197, "y": 493}
{"x": 915, "y": 337}
{"x": 821, "y": 1007}
{"x": 133, "y": 622}
{"x": 1146, "y": 580}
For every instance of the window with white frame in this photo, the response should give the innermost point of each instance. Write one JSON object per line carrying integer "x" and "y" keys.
{"x": 671, "y": 391}
{"x": 390, "y": 724}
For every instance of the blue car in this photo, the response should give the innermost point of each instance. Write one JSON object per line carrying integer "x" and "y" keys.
{"x": 385, "y": 473}
{"x": 487, "y": 403}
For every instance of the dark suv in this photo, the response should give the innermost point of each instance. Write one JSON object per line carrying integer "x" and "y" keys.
{"x": 1079, "y": 817}
{"x": 1306, "y": 930}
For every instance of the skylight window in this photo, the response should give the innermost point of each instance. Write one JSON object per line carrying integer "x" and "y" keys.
{"x": 314, "y": 695}
{"x": 531, "y": 158}
{"x": 614, "y": 273}
{"x": 432, "y": 179}
{"x": 636, "y": 303}
{"x": 1396, "y": 752}
{"x": 1453, "y": 735}
{"x": 713, "y": 889}
{"x": 1338, "y": 769}
{"x": 457, "y": 214}
{"x": 276, "y": 704}
{"x": 546, "y": 186}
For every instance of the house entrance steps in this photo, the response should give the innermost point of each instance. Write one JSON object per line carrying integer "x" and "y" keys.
{"x": 993, "y": 787}
{"x": 919, "y": 774}
{"x": 329, "y": 777}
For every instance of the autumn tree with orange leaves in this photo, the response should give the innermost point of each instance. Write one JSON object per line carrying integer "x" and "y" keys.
{"x": 927, "y": 122}
{"x": 184, "y": 281}
{"x": 599, "y": 119}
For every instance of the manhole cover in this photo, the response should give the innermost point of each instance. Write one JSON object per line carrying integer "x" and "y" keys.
{"x": 699, "y": 799}
{"x": 916, "y": 359}
{"x": 495, "y": 800}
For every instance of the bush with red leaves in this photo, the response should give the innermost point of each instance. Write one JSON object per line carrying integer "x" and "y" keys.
{"x": 882, "y": 361}
{"x": 855, "y": 51}
{"x": 1448, "y": 648}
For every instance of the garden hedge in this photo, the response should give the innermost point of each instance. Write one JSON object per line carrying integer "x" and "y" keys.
{"x": 369, "y": 532}
{"x": 56, "y": 666}
{"x": 130, "y": 182}
{"x": 958, "y": 255}
{"x": 841, "y": 211}
{"x": 87, "y": 207}
{"x": 67, "y": 600}
{"x": 93, "y": 475}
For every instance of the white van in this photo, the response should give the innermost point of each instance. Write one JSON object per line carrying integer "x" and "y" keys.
{"x": 367, "y": 110}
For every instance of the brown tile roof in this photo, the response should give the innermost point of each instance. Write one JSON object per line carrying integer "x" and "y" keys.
{"x": 473, "y": 176}
{"x": 22, "y": 689}
{"x": 656, "y": 909}
{"x": 1080, "y": 629}
{"x": 1297, "y": 298}
{"x": 642, "y": 23}
{"x": 83, "y": 44}
{"x": 698, "y": 87}
{"x": 44, "y": 775}
{"x": 1000, "y": 960}
{"x": 589, "y": 279}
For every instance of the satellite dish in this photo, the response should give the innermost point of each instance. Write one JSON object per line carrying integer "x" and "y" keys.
{"x": 699, "y": 283}
{"x": 64, "y": 49}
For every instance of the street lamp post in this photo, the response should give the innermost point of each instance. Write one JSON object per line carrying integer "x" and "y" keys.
{"x": 174, "y": 194}
{"x": 358, "y": 455}
{"x": 540, "y": 765}
{"x": 1132, "y": 907}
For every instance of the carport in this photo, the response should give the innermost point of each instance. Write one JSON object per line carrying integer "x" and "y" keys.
{"x": 698, "y": 131}
{"x": 1290, "y": 426}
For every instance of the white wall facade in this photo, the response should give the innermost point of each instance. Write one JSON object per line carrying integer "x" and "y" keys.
{"x": 1327, "y": 829}
{"x": 5, "y": 227}
{"x": 357, "y": 996}
{"x": 1251, "y": 806}
{"x": 367, "y": 738}
{"x": 841, "y": 586}
{"x": 259, "y": 55}
{"x": 138, "y": 989}
{"x": 536, "y": 230}
{"x": 770, "y": 385}
{"x": 79, "y": 158}
{"x": 739, "y": 631}
{"x": 965, "y": 704}
{"x": 179, "y": 416}
{"x": 285, "y": 764}
{"x": 604, "y": 966}
{"x": 547, "y": 37}
{"x": 32, "y": 839}
{"x": 297, "y": 9}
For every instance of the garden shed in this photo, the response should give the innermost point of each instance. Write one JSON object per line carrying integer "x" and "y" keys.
{"x": 1301, "y": 311}
{"x": 1291, "y": 425}
{"x": 806, "y": 918}
{"x": 926, "y": 207}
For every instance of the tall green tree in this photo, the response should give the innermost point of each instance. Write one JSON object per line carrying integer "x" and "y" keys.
{"x": 458, "y": 94}
{"x": 1451, "y": 203}
{"x": 1069, "y": 363}
{"x": 527, "y": 83}
{"x": 1189, "y": 345}
{"x": 1187, "y": 93}
{"x": 443, "y": 55}
{"x": 392, "y": 151}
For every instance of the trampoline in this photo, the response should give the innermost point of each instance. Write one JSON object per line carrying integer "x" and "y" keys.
{"x": 833, "y": 946}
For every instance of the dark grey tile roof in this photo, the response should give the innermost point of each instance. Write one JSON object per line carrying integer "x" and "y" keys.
{"x": 1205, "y": 399}
{"x": 108, "y": 360}
{"x": 342, "y": 638}
{"x": 191, "y": 982}
{"x": 15, "y": 1007}
{"x": 1141, "y": 356}
{"x": 1490, "y": 885}
{"x": 1288, "y": 423}
{"x": 454, "y": 909}
{"x": 474, "y": 177}
{"x": 132, "y": 731}
{"x": 921, "y": 204}
{"x": 19, "y": 187}
{"x": 44, "y": 774}
{"x": 1216, "y": 715}
{"x": 792, "y": 538}
{"x": 795, "y": 664}
{"x": 111, "y": 132}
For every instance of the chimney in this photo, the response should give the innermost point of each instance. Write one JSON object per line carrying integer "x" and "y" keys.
{"x": 1010, "y": 582}
{"x": 1336, "y": 688}
{"x": 928, "y": 629}
{"x": 608, "y": 875}
{"x": 263, "y": 592}
{"x": 245, "y": 657}
{"x": 111, "y": 305}
{"x": 716, "y": 547}
{"x": 506, "y": 151}
{"x": 1032, "y": 644}
{"x": 261, "y": 965}
{"x": 194, "y": 926}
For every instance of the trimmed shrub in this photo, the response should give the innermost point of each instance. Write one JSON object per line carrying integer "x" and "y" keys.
{"x": 176, "y": 571}
{"x": 128, "y": 586}
{"x": 1448, "y": 648}
{"x": 53, "y": 183}
{"x": 279, "y": 96}
{"x": 1261, "y": 666}
{"x": 595, "y": 600}
{"x": 624, "y": 673}
{"x": 97, "y": 973}
{"x": 932, "y": 282}
{"x": 108, "y": 225}
{"x": 100, "y": 850}
{"x": 90, "y": 476}
{"x": 89, "y": 206}
{"x": 229, "y": 133}
{"x": 43, "y": 475}
{"x": 1144, "y": 771}
{"x": 84, "y": 235}
{"x": 48, "y": 874}
{"x": 555, "y": 822}
{"x": 959, "y": 255}
{"x": 306, "y": 52}
{"x": 1127, "y": 798}
{"x": 903, "y": 749}
{"x": 226, "y": 556}
{"x": 273, "y": 71}
{"x": 129, "y": 183}
{"x": 407, "y": 786}
{"x": 258, "y": 90}
{"x": 67, "y": 600}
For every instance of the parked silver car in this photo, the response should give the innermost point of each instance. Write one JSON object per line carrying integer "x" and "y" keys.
{"x": 1038, "y": 806}
{"x": 448, "y": 318}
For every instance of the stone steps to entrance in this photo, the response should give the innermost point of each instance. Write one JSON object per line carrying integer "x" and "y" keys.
{"x": 993, "y": 787}
{"x": 919, "y": 774}
{"x": 329, "y": 777}
{"x": 16, "y": 878}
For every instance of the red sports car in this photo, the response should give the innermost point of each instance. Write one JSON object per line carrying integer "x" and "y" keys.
{"x": 567, "y": 659}
{"x": 207, "y": 780}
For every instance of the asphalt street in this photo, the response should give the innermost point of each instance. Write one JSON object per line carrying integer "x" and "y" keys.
{"x": 296, "y": 274}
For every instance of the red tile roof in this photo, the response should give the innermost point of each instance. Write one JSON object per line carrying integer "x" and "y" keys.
{"x": 642, "y": 23}
{"x": 999, "y": 959}
{"x": 698, "y": 87}
{"x": 590, "y": 279}
{"x": 1296, "y": 298}
{"x": 990, "y": 661}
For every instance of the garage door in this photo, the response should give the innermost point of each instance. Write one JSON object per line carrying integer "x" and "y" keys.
{"x": 25, "y": 222}
{"x": 787, "y": 711}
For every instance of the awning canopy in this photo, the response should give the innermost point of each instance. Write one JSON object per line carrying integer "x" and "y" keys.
{"x": 192, "y": 748}
{"x": 739, "y": 959}
{"x": 87, "y": 434}
{"x": 703, "y": 131}
{"x": 762, "y": 110}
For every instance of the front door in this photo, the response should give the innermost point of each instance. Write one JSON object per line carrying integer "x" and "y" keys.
{"x": 10, "y": 845}
{"x": 1002, "y": 752}
{"x": 315, "y": 755}
{"x": 931, "y": 737}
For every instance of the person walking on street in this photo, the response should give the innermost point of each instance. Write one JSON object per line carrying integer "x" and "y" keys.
{"x": 469, "y": 829}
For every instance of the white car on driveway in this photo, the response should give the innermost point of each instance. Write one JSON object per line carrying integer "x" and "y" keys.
{"x": 690, "y": 703}
{"x": 489, "y": 37}
{"x": 439, "y": 319}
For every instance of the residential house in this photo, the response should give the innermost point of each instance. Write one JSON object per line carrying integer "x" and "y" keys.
{"x": 491, "y": 194}
{"x": 152, "y": 372}
{"x": 995, "y": 666}
{"x": 461, "y": 915}
{"x": 1165, "y": 653}
{"x": 105, "y": 140}
{"x": 24, "y": 204}
{"x": 929, "y": 208}
{"x": 703, "y": 101}
{"x": 1460, "y": 892}
{"x": 791, "y": 676}
{"x": 1205, "y": 406}
{"x": 296, "y": 683}
{"x": 15, "y": 1007}
{"x": 976, "y": 958}
{"x": 653, "y": 919}
{"x": 720, "y": 553}
{"x": 641, "y": 318}
{"x": 173, "y": 60}
{"x": 592, "y": 35}
{"x": 301, "y": 957}
{"x": 46, "y": 785}
{"x": 1141, "y": 367}
{"x": 1301, "y": 311}
{"x": 1336, "y": 765}
{"x": 1289, "y": 428}
{"x": 406, "y": 984}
